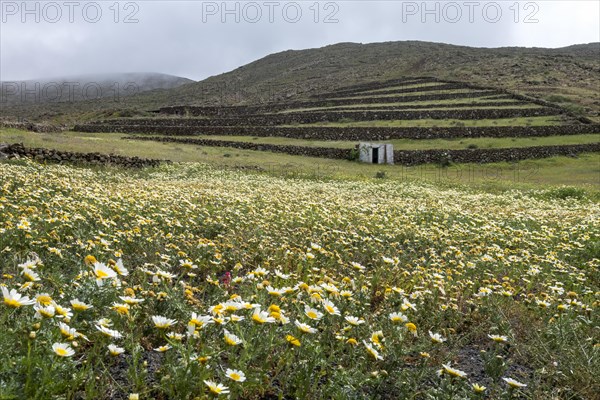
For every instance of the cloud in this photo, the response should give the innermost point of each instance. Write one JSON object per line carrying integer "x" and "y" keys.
{"x": 199, "y": 39}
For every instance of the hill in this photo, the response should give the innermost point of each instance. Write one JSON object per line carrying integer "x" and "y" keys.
{"x": 38, "y": 96}
{"x": 566, "y": 75}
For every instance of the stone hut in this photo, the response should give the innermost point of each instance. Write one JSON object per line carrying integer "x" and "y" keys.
{"x": 376, "y": 153}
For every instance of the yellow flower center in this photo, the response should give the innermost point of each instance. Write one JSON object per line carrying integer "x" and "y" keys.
{"x": 61, "y": 352}
{"x": 257, "y": 318}
{"x": 44, "y": 300}
{"x": 12, "y": 303}
{"x": 101, "y": 274}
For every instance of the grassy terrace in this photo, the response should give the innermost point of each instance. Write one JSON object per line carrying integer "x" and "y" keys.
{"x": 402, "y": 107}
{"x": 444, "y": 91}
{"x": 582, "y": 171}
{"x": 526, "y": 121}
{"x": 400, "y": 87}
{"x": 411, "y": 144}
{"x": 475, "y": 101}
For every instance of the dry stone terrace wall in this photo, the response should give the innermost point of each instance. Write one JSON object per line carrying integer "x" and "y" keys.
{"x": 482, "y": 156}
{"x": 416, "y": 89}
{"x": 322, "y": 152}
{"x": 382, "y": 115}
{"x": 187, "y": 127}
{"x": 404, "y": 157}
{"x": 382, "y": 85}
{"x": 31, "y": 126}
{"x": 248, "y": 110}
{"x": 409, "y": 106}
{"x": 12, "y": 151}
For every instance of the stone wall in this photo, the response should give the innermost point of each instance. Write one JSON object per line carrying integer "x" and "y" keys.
{"x": 441, "y": 86}
{"x": 248, "y": 110}
{"x": 321, "y": 152}
{"x": 404, "y": 157}
{"x": 187, "y": 128}
{"x": 31, "y": 126}
{"x": 379, "y": 115}
{"x": 415, "y": 157}
{"x": 12, "y": 151}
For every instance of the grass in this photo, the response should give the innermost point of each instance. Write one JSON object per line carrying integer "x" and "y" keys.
{"x": 400, "y": 107}
{"x": 425, "y": 144}
{"x": 444, "y": 123}
{"x": 477, "y": 101}
{"x": 400, "y": 87}
{"x": 402, "y": 94}
{"x": 583, "y": 171}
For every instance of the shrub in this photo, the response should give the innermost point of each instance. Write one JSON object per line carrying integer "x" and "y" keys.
{"x": 556, "y": 98}
{"x": 566, "y": 192}
{"x": 445, "y": 160}
{"x": 353, "y": 155}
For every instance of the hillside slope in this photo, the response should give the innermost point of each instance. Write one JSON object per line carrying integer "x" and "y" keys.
{"x": 39, "y": 96}
{"x": 568, "y": 75}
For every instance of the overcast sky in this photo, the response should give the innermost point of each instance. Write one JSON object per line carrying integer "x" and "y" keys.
{"x": 197, "y": 39}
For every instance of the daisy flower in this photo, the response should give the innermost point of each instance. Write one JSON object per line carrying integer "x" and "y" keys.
{"x": 372, "y": 351}
{"x": 175, "y": 336}
{"x": 235, "y": 375}
{"x": 304, "y": 327}
{"x": 121, "y": 270}
{"x": 357, "y": 266}
{"x": 44, "y": 312}
{"x": 398, "y": 317}
{"x": 477, "y": 388}
{"x": 109, "y": 332}
{"x": 262, "y": 316}
{"x": 30, "y": 275}
{"x": 121, "y": 308}
{"x": 67, "y": 331}
{"x": 80, "y": 305}
{"x": 200, "y": 320}
{"x": 217, "y": 388}
{"x": 115, "y": 350}
{"x": 131, "y": 300}
{"x": 412, "y": 328}
{"x": 188, "y": 264}
{"x": 162, "y": 349}
{"x": 354, "y": 320}
{"x": 330, "y": 307}
{"x": 103, "y": 272}
{"x": 436, "y": 337}
{"x": 498, "y": 338}
{"x": 14, "y": 299}
{"x": 162, "y": 322}
{"x": 312, "y": 313}
{"x": 43, "y": 299}
{"x": 63, "y": 350}
{"x": 514, "y": 383}
{"x": 457, "y": 373}
{"x": 231, "y": 339}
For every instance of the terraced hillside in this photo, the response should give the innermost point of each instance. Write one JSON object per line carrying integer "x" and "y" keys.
{"x": 431, "y": 112}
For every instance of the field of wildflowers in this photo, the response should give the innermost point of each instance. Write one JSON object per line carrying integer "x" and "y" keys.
{"x": 192, "y": 282}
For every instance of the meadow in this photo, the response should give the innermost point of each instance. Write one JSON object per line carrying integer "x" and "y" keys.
{"x": 193, "y": 281}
